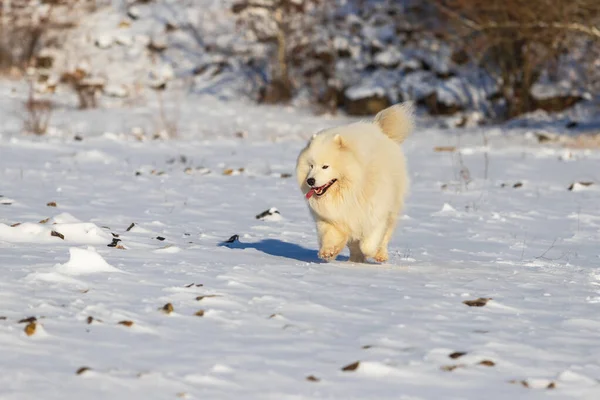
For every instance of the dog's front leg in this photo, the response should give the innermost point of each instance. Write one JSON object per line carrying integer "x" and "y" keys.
{"x": 331, "y": 240}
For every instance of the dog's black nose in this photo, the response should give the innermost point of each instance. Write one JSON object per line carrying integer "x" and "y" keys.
{"x": 311, "y": 181}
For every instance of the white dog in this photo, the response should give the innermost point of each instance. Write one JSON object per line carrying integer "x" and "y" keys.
{"x": 355, "y": 180}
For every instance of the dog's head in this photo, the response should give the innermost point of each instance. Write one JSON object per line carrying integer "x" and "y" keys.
{"x": 323, "y": 167}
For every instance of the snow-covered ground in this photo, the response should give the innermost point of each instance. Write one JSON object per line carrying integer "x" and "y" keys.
{"x": 273, "y": 322}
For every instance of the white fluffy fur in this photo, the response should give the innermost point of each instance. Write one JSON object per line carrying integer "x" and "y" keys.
{"x": 362, "y": 207}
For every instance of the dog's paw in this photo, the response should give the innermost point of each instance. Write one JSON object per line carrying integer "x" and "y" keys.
{"x": 329, "y": 253}
{"x": 381, "y": 256}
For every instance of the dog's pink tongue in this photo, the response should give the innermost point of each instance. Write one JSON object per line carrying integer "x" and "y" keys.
{"x": 310, "y": 193}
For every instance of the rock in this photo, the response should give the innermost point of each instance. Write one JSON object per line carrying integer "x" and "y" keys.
{"x": 557, "y": 103}
{"x": 365, "y": 101}
{"x": 437, "y": 107}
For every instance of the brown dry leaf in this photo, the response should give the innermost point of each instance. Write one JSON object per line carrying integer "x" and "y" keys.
{"x": 51, "y": 204}
{"x": 312, "y": 378}
{"x": 367, "y": 346}
{"x": 522, "y": 382}
{"x": 273, "y": 316}
{"x": 124, "y": 24}
{"x": 487, "y": 363}
{"x": 228, "y": 171}
{"x": 518, "y": 185}
{"x": 580, "y": 183}
{"x": 120, "y": 247}
{"x": 441, "y": 149}
{"x": 84, "y": 291}
{"x": 30, "y": 328}
{"x": 480, "y": 302}
{"x": 126, "y": 323}
{"x": 90, "y": 319}
{"x": 27, "y": 320}
{"x": 286, "y": 175}
{"x": 351, "y": 367}
{"x": 167, "y": 308}
{"x": 551, "y": 385}
{"x": 57, "y": 234}
{"x": 451, "y": 367}
{"x": 206, "y": 296}
{"x": 130, "y": 227}
{"x": 241, "y": 169}
{"x": 82, "y": 370}
{"x": 199, "y": 313}
{"x": 457, "y": 354}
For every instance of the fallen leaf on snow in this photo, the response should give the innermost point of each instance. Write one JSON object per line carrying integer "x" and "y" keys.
{"x": 271, "y": 211}
{"x": 457, "y": 354}
{"x": 351, "y": 367}
{"x": 232, "y": 239}
{"x": 30, "y": 328}
{"x": 44, "y": 221}
{"x": 451, "y": 367}
{"x": 441, "y": 149}
{"x": 130, "y": 227}
{"x": 167, "y": 308}
{"x": 199, "y": 313}
{"x": 522, "y": 382}
{"x": 57, "y": 234}
{"x": 312, "y": 378}
{"x": 114, "y": 243}
{"x": 206, "y": 296}
{"x": 577, "y": 185}
{"x": 480, "y": 302}
{"x": 126, "y": 323}
{"x": 82, "y": 370}
{"x": 28, "y": 320}
{"x": 51, "y": 204}
{"x": 487, "y": 363}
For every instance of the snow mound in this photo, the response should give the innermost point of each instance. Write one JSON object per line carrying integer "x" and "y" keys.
{"x": 447, "y": 209}
{"x": 85, "y": 261}
{"x": 78, "y": 232}
{"x": 63, "y": 218}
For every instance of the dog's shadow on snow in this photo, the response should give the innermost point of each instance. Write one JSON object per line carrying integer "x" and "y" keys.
{"x": 278, "y": 248}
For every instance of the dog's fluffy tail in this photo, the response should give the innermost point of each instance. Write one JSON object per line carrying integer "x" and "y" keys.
{"x": 397, "y": 121}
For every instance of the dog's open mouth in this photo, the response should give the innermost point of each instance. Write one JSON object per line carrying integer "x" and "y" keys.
{"x": 320, "y": 191}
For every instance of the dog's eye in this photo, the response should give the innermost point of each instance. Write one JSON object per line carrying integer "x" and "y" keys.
{"x": 325, "y": 166}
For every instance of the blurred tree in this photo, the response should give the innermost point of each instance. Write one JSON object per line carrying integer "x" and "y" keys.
{"x": 518, "y": 40}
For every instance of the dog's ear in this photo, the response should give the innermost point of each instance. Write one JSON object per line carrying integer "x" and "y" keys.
{"x": 338, "y": 140}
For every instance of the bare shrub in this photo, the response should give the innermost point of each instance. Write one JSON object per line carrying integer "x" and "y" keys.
{"x": 287, "y": 28}
{"x": 518, "y": 40}
{"x": 38, "y": 113}
{"x": 85, "y": 87}
{"x": 168, "y": 120}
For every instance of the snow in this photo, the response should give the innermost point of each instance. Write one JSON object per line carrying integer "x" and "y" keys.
{"x": 271, "y": 313}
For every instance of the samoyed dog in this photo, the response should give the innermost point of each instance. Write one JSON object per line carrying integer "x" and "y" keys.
{"x": 354, "y": 179}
